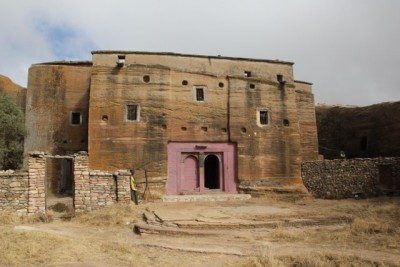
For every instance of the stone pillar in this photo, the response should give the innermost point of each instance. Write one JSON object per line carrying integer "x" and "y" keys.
{"x": 82, "y": 201}
{"x": 123, "y": 186}
{"x": 37, "y": 180}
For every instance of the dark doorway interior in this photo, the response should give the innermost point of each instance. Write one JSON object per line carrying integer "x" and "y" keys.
{"x": 66, "y": 177}
{"x": 211, "y": 172}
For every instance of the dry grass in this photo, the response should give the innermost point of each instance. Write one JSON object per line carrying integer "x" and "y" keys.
{"x": 115, "y": 215}
{"x": 35, "y": 248}
{"x": 374, "y": 227}
{"x": 268, "y": 259}
{"x": 11, "y": 218}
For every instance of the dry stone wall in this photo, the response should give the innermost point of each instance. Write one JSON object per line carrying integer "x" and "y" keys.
{"x": 25, "y": 191}
{"x": 346, "y": 178}
{"x": 98, "y": 189}
{"x": 36, "y": 185}
{"x": 13, "y": 191}
{"x": 102, "y": 189}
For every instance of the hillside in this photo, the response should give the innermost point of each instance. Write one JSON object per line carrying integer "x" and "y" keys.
{"x": 8, "y": 86}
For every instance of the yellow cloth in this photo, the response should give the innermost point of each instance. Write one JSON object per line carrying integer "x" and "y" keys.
{"x": 133, "y": 185}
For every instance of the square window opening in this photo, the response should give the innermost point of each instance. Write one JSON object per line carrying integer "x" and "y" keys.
{"x": 200, "y": 94}
{"x": 264, "y": 117}
{"x": 132, "y": 112}
{"x": 76, "y": 118}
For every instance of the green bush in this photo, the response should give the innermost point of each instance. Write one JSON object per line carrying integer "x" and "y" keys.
{"x": 12, "y": 133}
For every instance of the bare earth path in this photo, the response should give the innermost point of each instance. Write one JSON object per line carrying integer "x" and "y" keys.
{"x": 219, "y": 234}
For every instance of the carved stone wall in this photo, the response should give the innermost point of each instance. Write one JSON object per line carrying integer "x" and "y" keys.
{"x": 360, "y": 132}
{"x": 163, "y": 87}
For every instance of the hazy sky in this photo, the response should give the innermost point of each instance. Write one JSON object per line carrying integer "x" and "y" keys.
{"x": 349, "y": 49}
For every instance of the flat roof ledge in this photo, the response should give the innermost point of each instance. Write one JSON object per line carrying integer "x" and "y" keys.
{"x": 188, "y": 55}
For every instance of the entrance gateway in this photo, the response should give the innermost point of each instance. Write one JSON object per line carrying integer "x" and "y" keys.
{"x": 200, "y": 167}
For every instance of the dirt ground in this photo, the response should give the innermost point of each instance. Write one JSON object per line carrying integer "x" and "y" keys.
{"x": 271, "y": 231}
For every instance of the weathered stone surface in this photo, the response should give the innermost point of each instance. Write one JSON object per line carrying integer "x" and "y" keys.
{"x": 363, "y": 132}
{"x": 13, "y": 191}
{"x": 164, "y": 86}
{"x": 347, "y": 178}
{"x": 168, "y": 113}
{"x": 55, "y": 91}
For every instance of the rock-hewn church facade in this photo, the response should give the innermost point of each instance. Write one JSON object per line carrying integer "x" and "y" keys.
{"x": 193, "y": 123}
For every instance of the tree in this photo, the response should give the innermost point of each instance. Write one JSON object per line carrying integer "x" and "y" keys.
{"x": 12, "y": 133}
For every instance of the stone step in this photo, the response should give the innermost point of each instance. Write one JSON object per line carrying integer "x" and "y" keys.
{"x": 206, "y": 197}
{"x": 198, "y": 228}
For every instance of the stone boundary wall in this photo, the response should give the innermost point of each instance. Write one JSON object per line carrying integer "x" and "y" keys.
{"x": 37, "y": 182}
{"x": 336, "y": 179}
{"x": 102, "y": 189}
{"x": 98, "y": 189}
{"x": 24, "y": 191}
{"x": 13, "y": 191}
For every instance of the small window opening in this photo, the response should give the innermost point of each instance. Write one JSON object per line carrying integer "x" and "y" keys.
{"x": 363, "y": 144}
{"x": 264, "y": 117}
{"x": 104, "y": 118}
{"x": 184, "y": 82}
{"x": 65, "y": 141}
{"x": 286, "y": 123}
{"x": 199, "y": 94}
{"x": 252, "y": 86}
{"x": 204, "y": 129}
{"x": 164, "y": 126}
{"x": 221, "y": 85}
{"x": 146, "y": 78}
{"x": 243, "y": 130}
{"x": 247, "y": 73}
{"x": 183, "y": 128}
{"x": 282, "y": 82}
{"x": 121, "y": 60}
{"x": 132, "y": 112}
{"x": 76, "y": 118}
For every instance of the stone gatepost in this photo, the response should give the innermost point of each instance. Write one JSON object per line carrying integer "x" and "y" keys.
{"x": 82, "y": 201}
{"x": 37, "y": 182}
{"x": 123, "y": 186}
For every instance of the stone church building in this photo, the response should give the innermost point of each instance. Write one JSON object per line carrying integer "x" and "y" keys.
{"x": 194, "y": 124}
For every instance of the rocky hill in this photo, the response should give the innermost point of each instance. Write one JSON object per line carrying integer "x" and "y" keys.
{"x": 8, "y": 86}
{"x": 370, "y": 131}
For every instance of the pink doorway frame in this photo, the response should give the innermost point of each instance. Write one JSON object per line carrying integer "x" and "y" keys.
{"x": 177, "y": 152}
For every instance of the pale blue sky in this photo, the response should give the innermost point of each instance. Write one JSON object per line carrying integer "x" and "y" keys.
{"x": 348, "y": 49}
